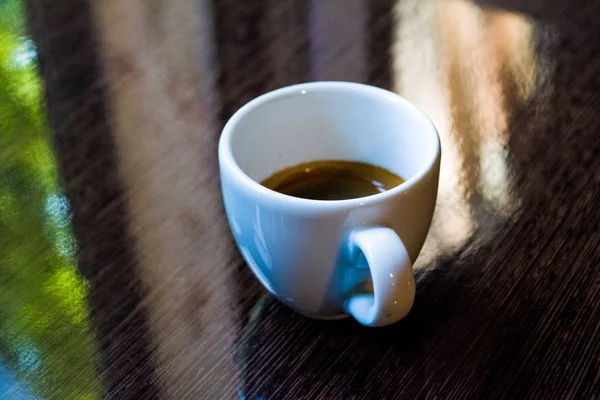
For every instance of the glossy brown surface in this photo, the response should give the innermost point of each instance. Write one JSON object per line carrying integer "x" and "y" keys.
{"x": 508, "y": 299}
{"x": 332, "y": 180}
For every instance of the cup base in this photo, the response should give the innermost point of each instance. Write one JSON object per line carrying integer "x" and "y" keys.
{"x": 334, "y": 317}
{"x": 269, "y": 289}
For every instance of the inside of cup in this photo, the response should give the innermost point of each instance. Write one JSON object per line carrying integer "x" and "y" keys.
{"x": 333, "y": 123}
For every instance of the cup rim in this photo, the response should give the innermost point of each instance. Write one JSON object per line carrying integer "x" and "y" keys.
{"x": 227, "y": 160}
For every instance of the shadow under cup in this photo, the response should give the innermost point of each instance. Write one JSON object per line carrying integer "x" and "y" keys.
{"x": 333, "y": 122}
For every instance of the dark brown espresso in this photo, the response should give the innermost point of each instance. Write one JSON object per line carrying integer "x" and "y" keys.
{"x": 332, "y": 180}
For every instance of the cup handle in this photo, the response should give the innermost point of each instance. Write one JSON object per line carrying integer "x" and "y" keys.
{"x": 392, "y": 275}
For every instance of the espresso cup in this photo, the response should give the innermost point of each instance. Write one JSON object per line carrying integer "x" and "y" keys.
{"x": 329, "y": 259}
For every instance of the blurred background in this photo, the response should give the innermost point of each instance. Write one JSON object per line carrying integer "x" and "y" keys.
{"x": 118, "y": 275}
{"x": 46, "y": 347}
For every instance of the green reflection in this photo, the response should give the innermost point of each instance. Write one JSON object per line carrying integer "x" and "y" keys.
{"x": 45, "y": 339}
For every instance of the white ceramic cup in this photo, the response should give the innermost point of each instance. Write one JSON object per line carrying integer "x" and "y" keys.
{"x": 328, "y": 259}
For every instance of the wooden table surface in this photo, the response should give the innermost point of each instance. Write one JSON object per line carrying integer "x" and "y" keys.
{"x": 508, "y": 282}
